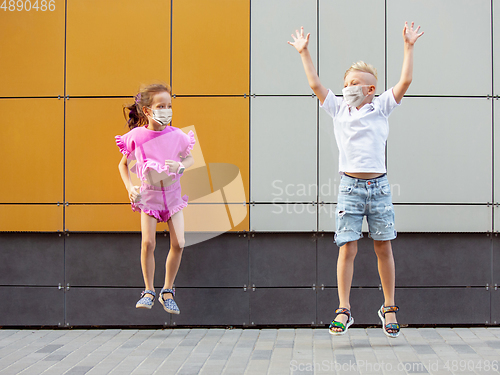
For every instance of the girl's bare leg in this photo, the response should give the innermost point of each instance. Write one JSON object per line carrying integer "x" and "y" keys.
{"x": 176, "y": 228}
{"x": 345, "y": 270}
{"x": 387, "y": 272}
{"x": 148, "y": 229}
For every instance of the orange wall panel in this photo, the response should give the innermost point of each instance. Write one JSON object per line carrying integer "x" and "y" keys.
{"x": 92, "y": 156}
{"x": 210, "y": 47}
{"x": 31, "y": 218}
{"x": 102, "y": 218}
{"x": 32, "y": 48}
{"x": 31, "y": 140}
{"x": 114, "y": 46}
{"x": 222, "y": 126}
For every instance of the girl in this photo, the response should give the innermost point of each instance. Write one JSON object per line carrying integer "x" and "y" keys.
{"x": 162, "y": 152}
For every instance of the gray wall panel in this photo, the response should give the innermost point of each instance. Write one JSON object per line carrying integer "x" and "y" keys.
{"x": 278, "y": 260}
{"x": 427, "y": 155}
{"x": 282, "y": 306}
{"x": 212, "y": 306}
{"x": 443, "y": 305}
{"x": 105, "y": 259}
{"x": 365, "y": 264}
{"x": 337, "y": 34}
{"x": 328, "y": 164}
{"x": 274, "y": 62}
{"x": 219, "y": 262}
{"x": 283, "y": 149}
{"x": 495, "y": 306}
{"x": 31, "y": 259}
{"x": 289, "y": 217}
{"x": 495, "y": 277}
{"x": 111, "y": 307}
{"x": 442, "y": 260}
{"x": 443, "y": 63}
{"x": 31, "y": 306}
{"x": 364, "y": 305}
{"x": 443, "y": 218}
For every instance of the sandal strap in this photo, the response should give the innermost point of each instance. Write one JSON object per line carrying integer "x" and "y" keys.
{"x": 389, "y": 309}
{"x": 148, "y": 292}
{"x": 163, "y": 291}
{"x": 343, "y": 310}
{"x": 394, "y": 326}
{"x": 338, "y": 325}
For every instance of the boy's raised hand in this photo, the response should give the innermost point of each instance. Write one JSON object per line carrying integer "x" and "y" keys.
{"x": 300, "y": 42}
{"x": 410, "y": 35}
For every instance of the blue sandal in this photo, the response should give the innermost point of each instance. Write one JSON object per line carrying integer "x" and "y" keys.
{"x": 389, "y": 326}
{"x": 169, "y": 304}
{"x": 146, "y": 302}
{"x": 334, "y": 324}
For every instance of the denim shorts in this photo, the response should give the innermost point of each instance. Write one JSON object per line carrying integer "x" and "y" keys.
{"x": 358, "y": 198}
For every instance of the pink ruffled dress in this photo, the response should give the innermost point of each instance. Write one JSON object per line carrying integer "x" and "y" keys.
{"x": 150, "y": 149}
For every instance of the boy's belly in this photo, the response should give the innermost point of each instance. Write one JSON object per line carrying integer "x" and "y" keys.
{"x": 364, "y": 176}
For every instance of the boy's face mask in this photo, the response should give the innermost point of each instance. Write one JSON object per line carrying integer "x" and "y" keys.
{"x": 353, "y": 95}
{"x": 162, "y": 116}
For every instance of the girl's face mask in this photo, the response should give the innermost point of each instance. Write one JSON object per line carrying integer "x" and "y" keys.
{"x": 162, "y": 116}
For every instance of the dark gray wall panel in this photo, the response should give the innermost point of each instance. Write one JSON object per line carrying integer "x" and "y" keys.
{"x": 105, "y": 259}
{"x": 365, "y": 264}
{"x": 282, "y": 306}
{"x": 282, "y": 259}
{"x": 443, "y": 305}
{"x": 442, "y": 259}
{"x": 417, "y": 305}
{"x": 495, "y": 306}
{"x": 219, "y": 262}
{"x": 212, "y": 306}
{"x": 31, "y": 306}
{"x": 110, "y": 307}
{"x": 31, "y": 259}
{"x": 496, "y": 260}
{"x": 364, "y": 305}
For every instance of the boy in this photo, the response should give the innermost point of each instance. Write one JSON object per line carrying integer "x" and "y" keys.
{"x": 361, "y": 130}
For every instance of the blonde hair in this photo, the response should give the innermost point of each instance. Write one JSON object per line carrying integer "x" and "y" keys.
{"x": 361, "y": 66}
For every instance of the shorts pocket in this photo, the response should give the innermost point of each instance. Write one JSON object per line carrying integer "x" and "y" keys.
{"x": 345, "y": 189}
{"x": 385, "y": 190}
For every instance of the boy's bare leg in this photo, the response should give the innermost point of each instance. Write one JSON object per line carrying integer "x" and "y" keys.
{"x": 345, "y": 270}
{"x": 387, "y": 272}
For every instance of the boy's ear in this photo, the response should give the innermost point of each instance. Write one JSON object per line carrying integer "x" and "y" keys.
{"x": 372, "y": 89}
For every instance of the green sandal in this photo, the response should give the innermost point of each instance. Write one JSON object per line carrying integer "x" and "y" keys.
{"x": 334, "y": 324}
{"x": 389, "y": 326}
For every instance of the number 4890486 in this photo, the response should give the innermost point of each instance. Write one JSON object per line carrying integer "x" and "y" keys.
{"x": 27, "y": 5}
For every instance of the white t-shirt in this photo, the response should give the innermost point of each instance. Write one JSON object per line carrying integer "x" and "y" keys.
{"x": 361, "y": 135}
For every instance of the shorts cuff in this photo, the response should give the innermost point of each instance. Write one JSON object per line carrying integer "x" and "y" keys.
{"x": 384, "y": 236}
{"x": 344, "y": 237}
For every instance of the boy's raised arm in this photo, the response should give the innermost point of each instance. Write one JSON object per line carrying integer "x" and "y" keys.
{"x": 300, "y": 43}
{"x": 410, "y": 36}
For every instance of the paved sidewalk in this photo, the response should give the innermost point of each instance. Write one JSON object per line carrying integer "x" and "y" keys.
{"x": 250, "y": 351}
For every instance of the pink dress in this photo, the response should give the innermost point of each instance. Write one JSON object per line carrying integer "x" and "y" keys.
{"x": 150, "y": 149}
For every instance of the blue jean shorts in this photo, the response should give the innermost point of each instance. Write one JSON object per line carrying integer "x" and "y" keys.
{"x": 359, "y": 198}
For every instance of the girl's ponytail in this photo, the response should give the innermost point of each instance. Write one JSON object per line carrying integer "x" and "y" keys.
{"x": 144, "y": 99}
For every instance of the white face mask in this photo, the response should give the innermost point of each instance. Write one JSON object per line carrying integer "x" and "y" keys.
{"x": 353, "y": 95}
{"x": 162, "y": 116}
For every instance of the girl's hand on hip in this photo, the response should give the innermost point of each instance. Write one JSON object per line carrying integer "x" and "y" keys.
{"x": 134, "y": 195}
{"x": 173, "y": 166}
